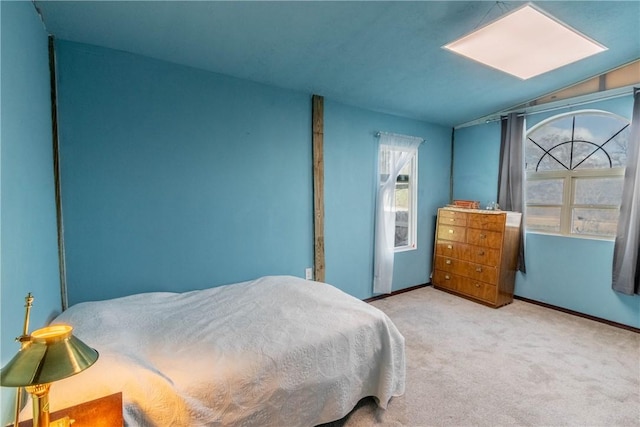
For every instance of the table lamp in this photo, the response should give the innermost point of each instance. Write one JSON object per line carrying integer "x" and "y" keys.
{"x": 48, "y": 355}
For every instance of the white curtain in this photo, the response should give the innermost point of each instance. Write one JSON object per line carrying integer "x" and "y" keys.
{"x": 394, "y": 152}
{"x": 626, "y": 252}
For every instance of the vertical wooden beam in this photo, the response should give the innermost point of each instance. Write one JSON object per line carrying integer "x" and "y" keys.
{"x": 317, "y": 111}
{"x": 453, "y": 146}
{"x": 56, "y": 174}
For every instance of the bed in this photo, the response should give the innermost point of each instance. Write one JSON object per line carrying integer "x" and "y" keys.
{"x": 276, "y": 351}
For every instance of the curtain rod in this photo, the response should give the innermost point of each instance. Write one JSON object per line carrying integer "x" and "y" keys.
{"x": 380, "y": 133}
{"x": 498, "y": 116}
{"x": 576, "y": 104}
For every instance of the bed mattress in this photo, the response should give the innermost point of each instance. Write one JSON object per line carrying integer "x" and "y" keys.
{"x": 277, "y": 351}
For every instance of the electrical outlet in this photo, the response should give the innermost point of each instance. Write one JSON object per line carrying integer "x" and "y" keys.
{"x": 308, "y": 273}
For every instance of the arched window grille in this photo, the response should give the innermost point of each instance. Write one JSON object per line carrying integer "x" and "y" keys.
{"x": 574, "y": 167}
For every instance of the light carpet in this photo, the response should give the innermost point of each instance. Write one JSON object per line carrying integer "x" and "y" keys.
{"x": 519, "y": 365}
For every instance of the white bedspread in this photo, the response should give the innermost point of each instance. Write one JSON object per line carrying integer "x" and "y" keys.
{"x": 277, "y": 351}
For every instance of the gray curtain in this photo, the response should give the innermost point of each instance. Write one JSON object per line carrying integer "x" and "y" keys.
{"x": 626, "y": 263}
{"x": 511, "y": 174}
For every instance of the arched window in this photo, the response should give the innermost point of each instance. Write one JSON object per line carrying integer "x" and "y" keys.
{"x": 574, "y": 167}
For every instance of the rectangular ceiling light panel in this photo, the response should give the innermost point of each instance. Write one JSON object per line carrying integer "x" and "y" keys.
{"x": 525, "y": 43}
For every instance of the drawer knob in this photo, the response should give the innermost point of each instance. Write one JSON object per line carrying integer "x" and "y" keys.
{"x": 449, "y": 246}
{"x": 479, "y": 269}
{"x": 481, "y": 253}
{"x": 448, "y": 262}
{"x": 477, "y": 285}
{"x": 483, "y": 236}
{"x": 451, "y": 231}
{"x": 447, "y": 277}
{"x": 452, "y": 219}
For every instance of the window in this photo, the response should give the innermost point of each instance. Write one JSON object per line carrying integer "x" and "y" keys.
{"x": 574, "y": 167}
{"x": 405, "y": 204}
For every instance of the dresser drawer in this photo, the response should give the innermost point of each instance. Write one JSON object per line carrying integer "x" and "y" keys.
{"x": 476, "y": 289}
{"x": 452, "y": 249}
{"x": 445, "y": 279}
{"x": 452, "y": 218}
{"x": 451, "y": 265}
{"x": 489, "y": 239}
{"x": 445, "y": 214}
{"x": 477, "y": 254}
{"x": 482, "y": 255}
{"x": 464, "y": 285}
{"x": 452, "y": 232}
{"x": 491, "y": 222}
{"x": 484, "y": 273}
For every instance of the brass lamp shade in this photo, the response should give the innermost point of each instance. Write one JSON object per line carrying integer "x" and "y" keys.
{"x": 51, "y": 354}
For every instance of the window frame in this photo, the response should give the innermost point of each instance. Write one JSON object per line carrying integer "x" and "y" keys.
{"x": 412, "y": 223}
{"x": 412, "y": 220}
{"x": 568, "y": 205}
{"x": 569, "y": 179}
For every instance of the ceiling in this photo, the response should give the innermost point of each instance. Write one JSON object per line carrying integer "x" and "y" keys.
{"x": 382, "y": 56}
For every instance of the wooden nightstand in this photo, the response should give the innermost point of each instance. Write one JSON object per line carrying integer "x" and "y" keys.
{"x": 103, "y": 412}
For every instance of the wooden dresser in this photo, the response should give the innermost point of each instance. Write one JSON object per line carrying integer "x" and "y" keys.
{"x": 476, "y": 254}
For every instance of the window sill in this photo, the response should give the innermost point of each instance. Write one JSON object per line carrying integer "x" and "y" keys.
{"x": 405, "y": 249}
{"x": 573, "y": 236}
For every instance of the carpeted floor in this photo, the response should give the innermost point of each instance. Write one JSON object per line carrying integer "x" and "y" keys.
{"x": 522, "y": 364}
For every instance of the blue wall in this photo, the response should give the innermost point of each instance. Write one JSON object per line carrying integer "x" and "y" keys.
{"x": 351, "y": 153}
{"x": 29, "y": 252}
{"x": 178, "y": 179}
{"x": 476, "y": 163}
{"x": 573, "y": 273}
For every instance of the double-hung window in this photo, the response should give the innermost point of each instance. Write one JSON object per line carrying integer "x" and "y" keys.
{"x": 574, "y": 174}
{"x": 405, "y": 196}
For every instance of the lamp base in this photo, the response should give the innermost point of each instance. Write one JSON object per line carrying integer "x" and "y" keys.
{"x": 40, "y": 396}
{"x": 40, "y": 399}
